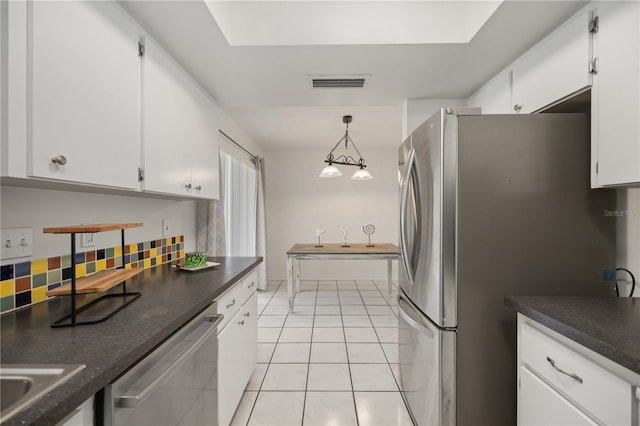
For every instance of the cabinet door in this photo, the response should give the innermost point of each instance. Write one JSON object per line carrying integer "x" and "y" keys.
{"x": 616, "y": 95}
{"x": 539, "y": 404}
{"x": 84, "y": 91}
{"x": 180, "y": 130}
{"x": 230, "y": 368}
{"x": 495, "y": 96}
{"x": 250, "y": 338}
{"x": 555, "y": 68}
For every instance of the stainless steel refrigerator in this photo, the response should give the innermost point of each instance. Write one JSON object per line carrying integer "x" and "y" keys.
{"x": 490, "y": 206}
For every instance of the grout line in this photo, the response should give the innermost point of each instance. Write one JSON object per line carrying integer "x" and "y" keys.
{"x": 306, "y": 383}
{"x": 346, "y": 349}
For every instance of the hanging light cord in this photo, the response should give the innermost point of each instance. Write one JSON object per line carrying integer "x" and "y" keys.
{"x": 346, "y": 138}
{"x": 633, "y": 282}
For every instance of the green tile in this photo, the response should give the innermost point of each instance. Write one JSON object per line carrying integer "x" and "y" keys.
{"x": 118, "y": 262}
{"x": 6, "y": 303}
{"x": 134, "y": 258}
{"x": 110, "y": 252}
{"x": 66, "y": 282}
{"x": 91, "y": 267}
{"x": 147, "y": 245}
{"x": 39, "y": 280}
{"x": 66, "y": 261}
{"x": 141, "y": 264}
{"x": 54, "y": 276}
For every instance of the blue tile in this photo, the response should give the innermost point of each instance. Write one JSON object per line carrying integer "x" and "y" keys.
{"x": 66, "y": 273}
{"x": 127, "y": 259}
{"x": 7, "y": 272}
{"x": 140, "y": 255}
{"x": 100, "y": 254}
{"x": 140, "y": 246}
{"x": 153, "y": 261}
{"x": 164, "y": 250}
{"x": 153, "y": 244}
{"x": 79, "y": 258}
{"x": 22, "y": 269}
{"x": 23, "y": 298}
{"x": 54, "y": 285}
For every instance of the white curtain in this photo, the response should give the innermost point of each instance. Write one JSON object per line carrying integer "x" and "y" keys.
{"x": 261, "y": 234}
{"x": 239, "y": 206}
{"x": 210, "y": 236}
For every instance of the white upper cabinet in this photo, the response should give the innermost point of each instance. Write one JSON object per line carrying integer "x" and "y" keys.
{"x": 180, "y": 130}
{"x": 495, "y": 96}
{"x": 83, "y": 93}
{"x": 555, "y": 68}
{"x": 615, "y": 128}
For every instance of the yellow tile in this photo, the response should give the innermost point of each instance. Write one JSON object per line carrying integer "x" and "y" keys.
{"x": 147, "y": 263}
{"x": 81, "y": 270}
{"x": 38, "y": 294}
{"x": 168, "y": 241}
{"x": 181, "y": 252}
{"x": 127, "y": 266}
{"x": 101, "y": 265}
{"x": 158, "y": 260}
{"x": 133, "y": 248}
{"x": 38, "y": 266}
{"x": 153, "y": 252}
{"x": 6, "y": 288}
{"x": 117, "y": 251}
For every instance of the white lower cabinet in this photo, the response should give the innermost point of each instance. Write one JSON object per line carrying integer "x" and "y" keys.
{"x": 563, "y": 383}
{"x": 81, "y": 416}
{"x": 237, "y": 356}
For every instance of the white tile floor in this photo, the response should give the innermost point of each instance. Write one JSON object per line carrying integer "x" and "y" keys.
{"x": 332, "y": 362}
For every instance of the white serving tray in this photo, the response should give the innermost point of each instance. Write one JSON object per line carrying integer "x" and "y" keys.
{"x": 199, "y": 268}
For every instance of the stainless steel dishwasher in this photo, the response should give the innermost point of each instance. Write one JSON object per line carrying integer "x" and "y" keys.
{"x": 176, "y": 384}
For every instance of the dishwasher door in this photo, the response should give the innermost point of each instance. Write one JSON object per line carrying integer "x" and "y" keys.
{"x": 176, "y": 384}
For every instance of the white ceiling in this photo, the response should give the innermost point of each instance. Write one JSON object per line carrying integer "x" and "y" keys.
{"x": 266, "y": 89}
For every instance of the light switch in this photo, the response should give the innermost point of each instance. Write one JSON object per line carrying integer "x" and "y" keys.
{"x": 17, "y": 242}
{"x": 166, "y": 228}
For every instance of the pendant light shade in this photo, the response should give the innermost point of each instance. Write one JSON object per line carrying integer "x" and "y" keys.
{"x": 361, "y": 174}
{"x": 345, "y": 159}
{"x": 330, "y": 171}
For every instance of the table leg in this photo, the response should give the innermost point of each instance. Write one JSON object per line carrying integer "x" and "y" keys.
{"x": 290, "y": 292}
{"x": 389, "y": 275}
{"x": 297, "y": 276}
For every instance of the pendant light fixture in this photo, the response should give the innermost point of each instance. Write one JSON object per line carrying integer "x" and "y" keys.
{"x": 346, "y": 160}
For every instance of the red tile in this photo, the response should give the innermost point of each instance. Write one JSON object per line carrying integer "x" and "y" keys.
{"x": 158, "y": 243}
{"x": 127, "y": 249}
{"x": 111, "y": 263}
{"x": 164, "y": 258}
{"x": 23, "y": 284}
{"x": 90, "y": 256}
{"x": 53, "y": 263}
{"x": 147, "y": 255}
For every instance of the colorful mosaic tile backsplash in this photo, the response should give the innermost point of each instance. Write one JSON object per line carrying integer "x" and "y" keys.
{"x": 26, "y": 283}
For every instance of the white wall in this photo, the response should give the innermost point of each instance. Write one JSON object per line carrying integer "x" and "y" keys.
{"x": 41, "y": 208}
{"x": 628, "y": 243}
{"x": 417, "y": 111}
{"x": 297, "y": 200}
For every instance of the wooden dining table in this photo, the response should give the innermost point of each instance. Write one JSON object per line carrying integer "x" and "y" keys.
{"x": 299, "y": 252}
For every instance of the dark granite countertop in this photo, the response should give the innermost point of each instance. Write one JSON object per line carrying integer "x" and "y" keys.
{"x": 170, "y": 298}
{"x": 609, "y": 326}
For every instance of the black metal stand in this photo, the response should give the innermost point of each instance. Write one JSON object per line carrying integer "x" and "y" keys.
{"x": 111, "y": 303}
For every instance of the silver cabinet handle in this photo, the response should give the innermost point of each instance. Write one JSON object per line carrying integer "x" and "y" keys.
{"x": 252, "y": 285}
{"x": 241, "y": 322}
{"x": 246, "y": 314}
{"x": 59, "y": 159}
{"x": 233, "y": 302}
{"x": 573, "y": 376}
{"x": 198, "y": 188}
{"x": 517, "y": 107}
{"x": 188, "y": 186}
{"x": 404, "y": 194}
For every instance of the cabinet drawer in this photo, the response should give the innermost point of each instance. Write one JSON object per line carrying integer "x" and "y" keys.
{"x": 581, "y": 380}
{"x": 229, "y": 304}
{"x": 248, "y": 286}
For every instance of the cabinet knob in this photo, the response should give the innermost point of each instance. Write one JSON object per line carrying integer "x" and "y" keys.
{"x": 517, "y": 107}
{"x": 188, "y": 186}
{"x": 59, "y": 159}
{"x": 198, "y": 188}
{"x": 246, "y": 314}
{"x": 241, "y": 322}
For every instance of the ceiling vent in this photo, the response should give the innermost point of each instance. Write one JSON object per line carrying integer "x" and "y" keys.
{"x": 339, "y": 82}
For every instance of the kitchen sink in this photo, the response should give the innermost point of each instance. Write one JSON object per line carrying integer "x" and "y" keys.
{"x": 22, "y": 384}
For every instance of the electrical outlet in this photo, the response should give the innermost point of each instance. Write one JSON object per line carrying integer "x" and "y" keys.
{"x": 166, "y": 228}
{"x": 87, "y": 240}
{"x": 17, "y": 242}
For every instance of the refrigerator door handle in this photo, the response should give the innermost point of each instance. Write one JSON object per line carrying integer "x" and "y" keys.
{"x": 415, "y": 324}
{"x": 404, "y": 195}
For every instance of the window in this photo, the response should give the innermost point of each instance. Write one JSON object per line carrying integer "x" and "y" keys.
{"x": 239, "y": 177}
